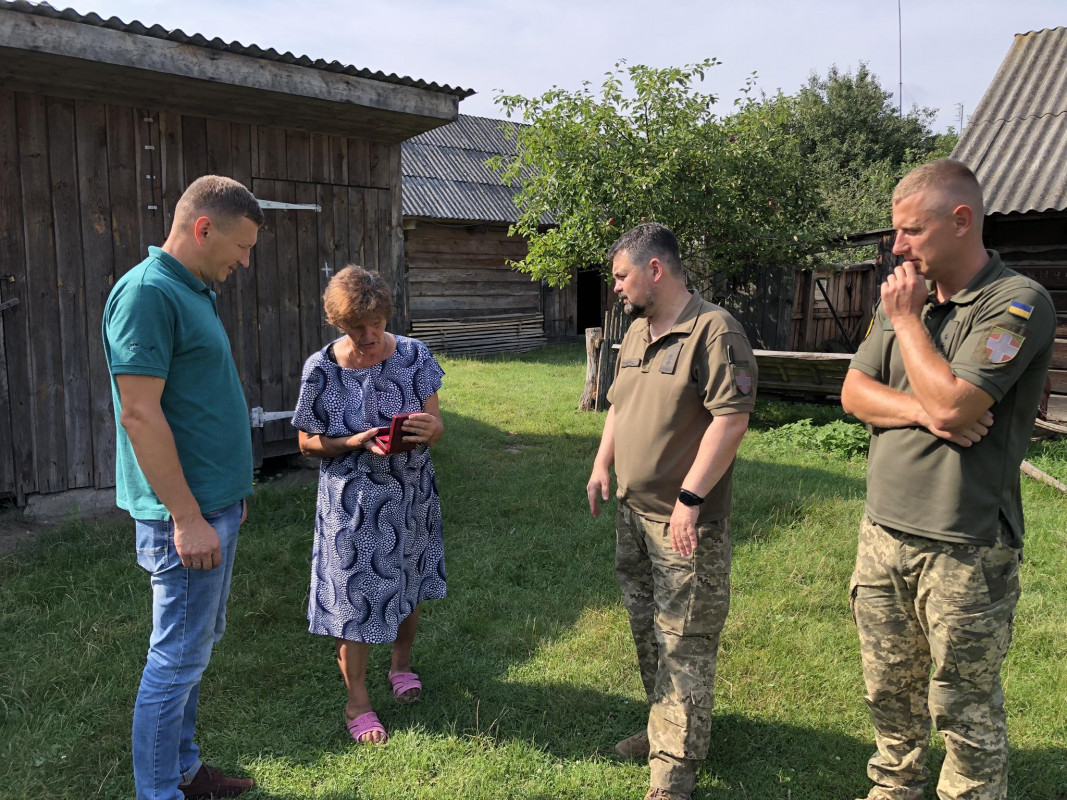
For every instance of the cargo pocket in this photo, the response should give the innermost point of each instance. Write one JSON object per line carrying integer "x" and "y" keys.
{"x": 977, "y": 645}
{"x": 853, "y": 587}
{"x": 154, "y": 544}
{"x": 709, "y": 597}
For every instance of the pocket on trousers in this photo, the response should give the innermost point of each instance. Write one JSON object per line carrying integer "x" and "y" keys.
{"x": 853, "y": 588}
{"x": 155, "y": 541}
{"x": 978, "y": 643}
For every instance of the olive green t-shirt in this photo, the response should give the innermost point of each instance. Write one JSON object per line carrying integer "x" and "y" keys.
{"x": 997, "y": 333}
{"x": 665, "y": 394}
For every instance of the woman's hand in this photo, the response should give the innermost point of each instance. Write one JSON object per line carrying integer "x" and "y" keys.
{"x": 423, "y": 428}
{"x": 319, "y": 446}
{"x": 365, "y": 439}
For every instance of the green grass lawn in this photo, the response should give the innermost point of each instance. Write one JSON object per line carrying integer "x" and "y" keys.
{"x": 529, "y": 670}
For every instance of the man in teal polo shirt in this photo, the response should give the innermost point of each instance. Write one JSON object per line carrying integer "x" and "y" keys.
{"x": 949, "y": 379}
{"x": 183, "y": 467}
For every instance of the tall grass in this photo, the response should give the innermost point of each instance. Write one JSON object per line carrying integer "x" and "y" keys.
{"x": 529, "y": 670}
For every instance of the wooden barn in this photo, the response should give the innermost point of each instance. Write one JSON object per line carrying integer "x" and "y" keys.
{"x": 1016, "y": 143}
{"x": 102, "y": 125}
{"x": 464, "y": 298}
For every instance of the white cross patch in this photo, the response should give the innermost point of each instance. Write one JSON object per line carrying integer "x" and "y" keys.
{"x": 1001, "y": 346}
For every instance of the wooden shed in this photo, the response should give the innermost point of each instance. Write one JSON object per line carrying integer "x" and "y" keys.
{"x": 102, "y": 125}
{"x": 1016, "y": 143}
{"x": 464, "y": 297}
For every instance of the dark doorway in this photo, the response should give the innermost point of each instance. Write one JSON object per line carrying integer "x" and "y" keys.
{"x": 590, "y": 293}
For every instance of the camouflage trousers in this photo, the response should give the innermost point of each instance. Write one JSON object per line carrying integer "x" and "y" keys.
{"x": 918, "y": 602}
{"x": 677, "y": 606}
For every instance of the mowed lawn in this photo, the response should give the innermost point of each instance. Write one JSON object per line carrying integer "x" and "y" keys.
{"x": 529, "y": 670}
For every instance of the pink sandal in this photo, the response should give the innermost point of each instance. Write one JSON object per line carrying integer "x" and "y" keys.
{"x": 364, "y": 724}
{"x": 405, "y": 682}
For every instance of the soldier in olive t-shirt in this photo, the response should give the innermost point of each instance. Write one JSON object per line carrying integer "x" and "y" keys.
{"x": 685, "y": 384}
{"x": 948, "y": 379}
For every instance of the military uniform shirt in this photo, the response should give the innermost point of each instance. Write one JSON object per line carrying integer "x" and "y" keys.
{"x": 665, "y": 394}
{"x": 997, "y": 333}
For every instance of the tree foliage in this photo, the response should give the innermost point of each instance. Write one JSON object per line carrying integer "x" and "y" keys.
{"x": 647, "y": 146}
{"x": 767, "y": 185}
{"x": 856, "y": 144}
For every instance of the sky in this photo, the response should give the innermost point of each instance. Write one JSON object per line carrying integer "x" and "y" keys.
{"x": 949, "y": 49}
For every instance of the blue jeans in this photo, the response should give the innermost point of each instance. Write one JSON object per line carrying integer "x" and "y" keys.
{"x": 188, "y": 617}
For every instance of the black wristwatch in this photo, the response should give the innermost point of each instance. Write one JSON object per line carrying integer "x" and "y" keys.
{"x": 687, "y": 498}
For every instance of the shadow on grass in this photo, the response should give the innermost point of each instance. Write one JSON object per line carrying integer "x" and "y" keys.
{"x": 526, "y": 562}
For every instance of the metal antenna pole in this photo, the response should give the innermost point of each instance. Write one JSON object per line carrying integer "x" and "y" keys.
{"x": 900, "y": 63}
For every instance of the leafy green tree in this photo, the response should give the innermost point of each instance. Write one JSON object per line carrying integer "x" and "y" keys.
{"x": 856, "y": 144}
{"x": 647, "y": 146}
{"x": 775, "y": 183}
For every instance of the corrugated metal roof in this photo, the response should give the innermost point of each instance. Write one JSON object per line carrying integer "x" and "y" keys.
{"x": 1016, "y": 141}
{"x": 446, "y": 177}
{"x": 255, "y": 51}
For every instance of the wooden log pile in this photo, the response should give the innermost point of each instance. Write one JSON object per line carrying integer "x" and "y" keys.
{"x": 502, "y": 333}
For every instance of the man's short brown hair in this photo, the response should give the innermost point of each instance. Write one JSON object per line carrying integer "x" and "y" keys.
{"x": 951, "y": 181}
{"x": 647, "y": 241}
{"x": 223, "y": 199}
{"x": 355, "y": 294}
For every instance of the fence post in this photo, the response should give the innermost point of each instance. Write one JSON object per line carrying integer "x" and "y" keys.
{"x": 594, "y": 338}
{"x": 616, "y": 321}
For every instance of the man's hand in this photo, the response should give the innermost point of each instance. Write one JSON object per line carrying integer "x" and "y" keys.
{"x": 904, "y": 293}
{"x": 197, "y": 544}
{"x": 684, "y": 528}
{"x": 598, "y": 488}
{"x": 969, "y": 434}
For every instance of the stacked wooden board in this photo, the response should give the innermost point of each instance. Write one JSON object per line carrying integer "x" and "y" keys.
{"x": 501, "y": 333}
{"x": 804, "y": 373}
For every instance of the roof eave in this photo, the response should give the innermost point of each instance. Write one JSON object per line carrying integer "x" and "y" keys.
{"x": 71, "y": 59}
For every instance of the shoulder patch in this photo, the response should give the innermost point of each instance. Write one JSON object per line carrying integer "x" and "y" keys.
{"x": 1021, "y": 310}
{"x": 1002, "y": 345}
{"x": 742, "y": 378}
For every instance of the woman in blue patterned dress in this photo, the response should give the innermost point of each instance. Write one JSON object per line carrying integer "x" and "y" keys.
{"x": 378, "y": 549}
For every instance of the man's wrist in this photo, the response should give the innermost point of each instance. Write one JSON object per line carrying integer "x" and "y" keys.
{"x": 688, "y": 498}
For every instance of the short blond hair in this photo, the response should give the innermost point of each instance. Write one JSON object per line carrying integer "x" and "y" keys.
{"x": 951, "y": 182}
{"x": 222, "y": 199}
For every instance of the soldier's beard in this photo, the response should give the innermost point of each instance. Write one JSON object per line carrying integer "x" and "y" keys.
{"x": 638, "y": 310}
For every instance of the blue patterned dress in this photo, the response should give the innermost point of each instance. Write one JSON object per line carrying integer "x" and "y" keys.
{"x": 378, "y": 547}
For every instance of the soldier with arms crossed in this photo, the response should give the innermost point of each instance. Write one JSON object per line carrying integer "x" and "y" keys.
{"x": 949, "y": 379}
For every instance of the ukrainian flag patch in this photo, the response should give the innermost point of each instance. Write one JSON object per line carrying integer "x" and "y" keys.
{"x": 1020, "y": 309}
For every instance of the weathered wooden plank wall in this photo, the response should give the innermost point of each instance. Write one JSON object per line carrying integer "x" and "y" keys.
{"x": 851, "y": 293}
{"x": 17, "y": 473}
{"x": 88, "y": 187}
{"x": 561, "y": 308}
{"x": 458, "y": 272}
{"x": 1036, "y": 246}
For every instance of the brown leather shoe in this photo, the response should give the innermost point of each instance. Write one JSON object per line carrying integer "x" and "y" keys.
{"x": 634, "y": 747}
{"x": 209, "y": 782}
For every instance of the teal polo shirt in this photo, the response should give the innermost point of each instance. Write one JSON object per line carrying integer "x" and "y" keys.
{"x": 161, "y": 320}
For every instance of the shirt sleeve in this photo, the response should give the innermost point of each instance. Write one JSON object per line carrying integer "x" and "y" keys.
{"x": 312, "y": 415}
{"x": 868, "y": 357}
{"x": 1001, "y": 344}
{"x": 140, "y": 332}
{"x": 428, "y": 375}
{"x": 727, "y": 374}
